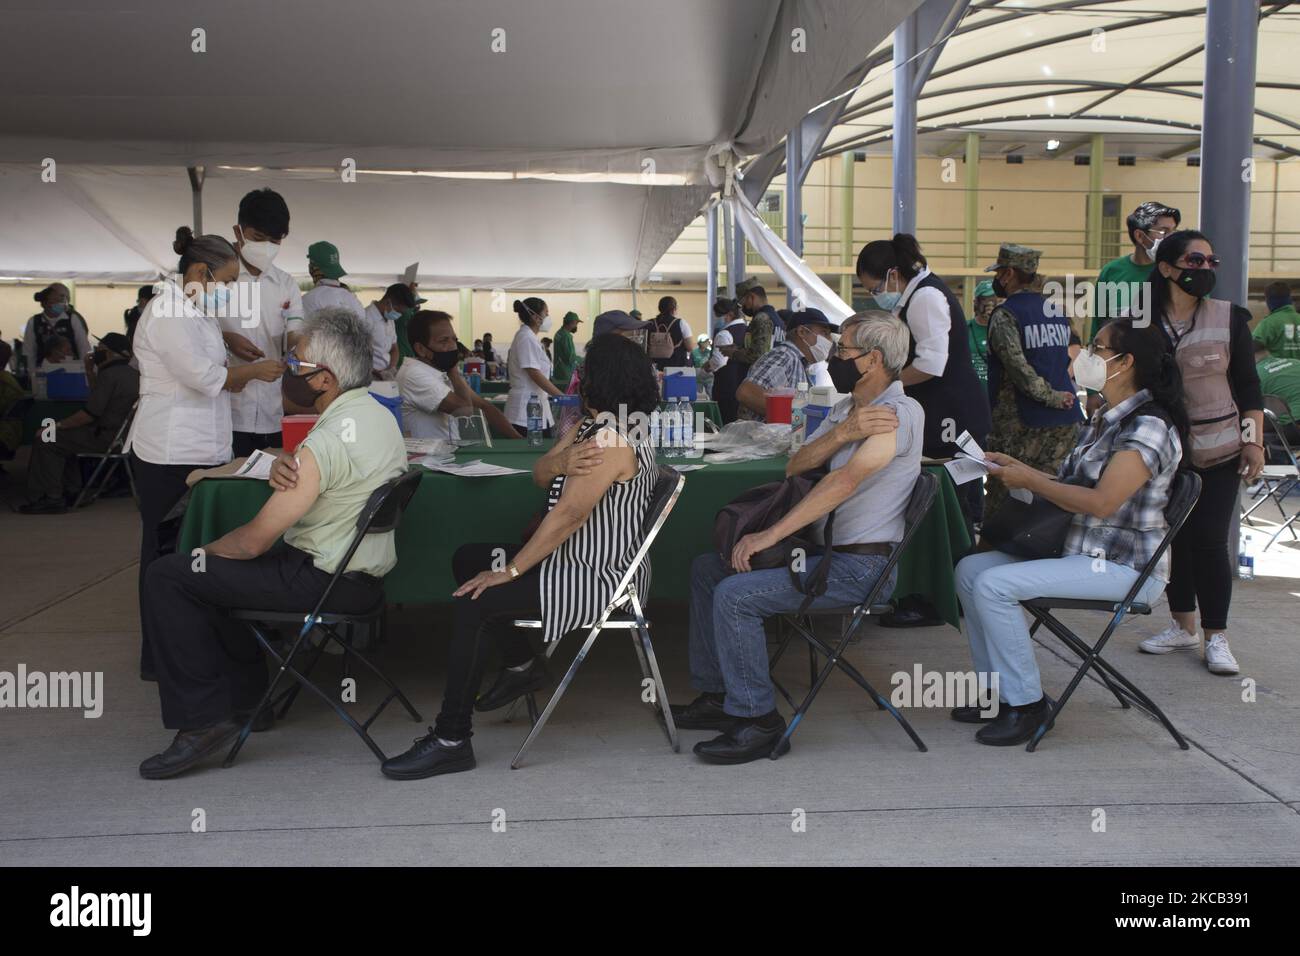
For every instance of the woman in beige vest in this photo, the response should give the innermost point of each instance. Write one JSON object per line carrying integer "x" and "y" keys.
{"x": 1211, "y": 342}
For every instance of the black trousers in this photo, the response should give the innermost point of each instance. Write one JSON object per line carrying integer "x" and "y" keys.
{"x": 209, "y": 667}
{"x": 1201, "y": 568}
{"x": 478, "y": 626}
{"x": 159, "y": 488}
{"x": 54, "y": 470}
{"x": 243, "y": 444}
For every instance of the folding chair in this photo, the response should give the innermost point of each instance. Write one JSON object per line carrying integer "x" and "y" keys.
{"x": 1182, "y": 498}
{"x": 918, "y": 505}
{"x": 1279, "y": 480}
{"x": 112, "y": 457}
{"x": 382, "y": 513}
{"x": 624, "y": 612}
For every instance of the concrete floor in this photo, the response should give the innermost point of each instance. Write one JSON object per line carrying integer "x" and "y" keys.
{"x": 601, "y": 785}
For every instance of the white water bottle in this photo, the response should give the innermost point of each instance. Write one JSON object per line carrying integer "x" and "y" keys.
{"x": 798, "y": 419}
{"x": 687, "y": 427}
{"x": 1246, "y": 558}
{"x": 535, "y": 420}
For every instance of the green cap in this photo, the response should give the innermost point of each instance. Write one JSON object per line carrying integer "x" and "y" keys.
{"x": 984, "y": 290}
{"x": 1014, "y": 256}
{"x": 325, "y": 257}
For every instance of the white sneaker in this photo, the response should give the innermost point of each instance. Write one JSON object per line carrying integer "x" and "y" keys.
{"x": 1217, "y": 656}
{"x": 1172, "y": 638}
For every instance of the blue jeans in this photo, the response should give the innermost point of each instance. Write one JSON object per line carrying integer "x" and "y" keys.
{"x": 728, "y": 648}
{"x": 991, "y": 586}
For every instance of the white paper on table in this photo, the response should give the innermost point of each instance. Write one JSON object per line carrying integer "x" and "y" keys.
{"x": 257, "y": 466}
{"x": 472, "y": 469}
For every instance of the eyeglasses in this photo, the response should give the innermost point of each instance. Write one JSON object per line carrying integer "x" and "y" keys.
{"x": 1198, "y": 260}
{"x": 842, "y": 351}
{"x": 299, "y": 367}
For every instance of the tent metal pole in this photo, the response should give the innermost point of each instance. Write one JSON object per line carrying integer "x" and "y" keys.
{"x": 794, "y": 174}
{"x": 1227, "y": 164}
{"x": 711, "y": 272}
{"x": 972, "y": 223}
{"x": 729, "y": 251}
{"x": 197, "y": 175}
{"x": 846, "y": 223}
{"x": 738, "y": 256}
{"x": 904, "y": 145}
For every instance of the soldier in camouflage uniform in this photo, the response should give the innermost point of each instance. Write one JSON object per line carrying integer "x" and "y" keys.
{"x": 1034, "y": 415}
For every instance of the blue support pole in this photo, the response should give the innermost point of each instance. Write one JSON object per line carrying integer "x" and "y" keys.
{"x": 905, "y": 125}
{"x": 711, "y": 278}
{"x": 1227, "y": 166}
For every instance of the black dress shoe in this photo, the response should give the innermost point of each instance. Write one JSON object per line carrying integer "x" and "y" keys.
{"x": 511, "y": 685}
{"x": 265, "y": 719}
{"x": 1014, "y": 725}
{"x": 429, "y": 758}
{"x": 703, "y": 713}
{"x": 188, "y": 748}
{"x": 976, "y": 715}
{"x": 745, "y": 740}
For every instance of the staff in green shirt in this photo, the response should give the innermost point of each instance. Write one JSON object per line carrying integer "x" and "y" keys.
{"x": 1147, "y": 225}
{"x": 1281, "y": 377}
{"x": 1279, "y": 331}
{"x": 978, "y": 328}
{"x": 564, "y": 353}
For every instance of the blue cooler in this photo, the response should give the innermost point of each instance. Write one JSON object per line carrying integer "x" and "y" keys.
{"x": 678, "y": 384}
{"x": 813, "y": 416}
{"x": 391, "y": 402}
{"x": 64, "y": 386}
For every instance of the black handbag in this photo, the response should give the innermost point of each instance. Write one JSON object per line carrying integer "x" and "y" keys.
{"x": 1033, "y": 529}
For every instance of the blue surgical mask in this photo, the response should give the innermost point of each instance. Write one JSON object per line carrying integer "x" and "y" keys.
{"x": 887, "y": 300}
{"x": 216, "y": 299}
{"x": 392, "y": 316}
{"x": 58, "y": 308}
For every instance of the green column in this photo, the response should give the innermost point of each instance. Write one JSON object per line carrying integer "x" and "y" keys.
{"x": 972, "y": 223}
{"x": 846, "y": 224}
{"x": 466, "y": 317}
{"x": 1096, "y": 164}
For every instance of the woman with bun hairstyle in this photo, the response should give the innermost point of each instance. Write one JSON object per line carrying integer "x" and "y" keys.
{"x": 56, "y": 318}
{"x": 1116, "y": 483}
{"x": 939, "y": 372}
{"x": 1211, "y": 342}
{"x": 183, "y": 419}
{"x": 529, "y": 367}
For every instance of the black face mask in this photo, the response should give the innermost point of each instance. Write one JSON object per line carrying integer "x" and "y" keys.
{"x": 446, "y": 361}
{"x": 297, "y": 389}
{"x": 100, "y": 356}
{"x": 1197, "y": 283}
{"x": 999, "y": 289}
{"x": 844, "y": 373}
{"x": 748, "y": 311}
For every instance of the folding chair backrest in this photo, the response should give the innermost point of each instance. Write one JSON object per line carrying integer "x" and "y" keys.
{"x": 663, "y": 497}
{"x": 1275, "y": 410}
{"x": 919, "y": 502}
{"x": 384, "y": 508}
{"x": 119, "y": 439}
{"x": 1183, "y": 493}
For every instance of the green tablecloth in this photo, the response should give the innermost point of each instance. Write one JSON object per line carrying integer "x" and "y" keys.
{"x": 42, "y": 409}
{"x": 448, "y": 511}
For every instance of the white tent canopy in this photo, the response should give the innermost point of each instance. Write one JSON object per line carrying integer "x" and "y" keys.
{"x": 559, "y": 144}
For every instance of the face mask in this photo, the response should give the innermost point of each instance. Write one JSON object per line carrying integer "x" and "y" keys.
{"x": 297, "y": 389}
{"x": 999, "y": 289}
{"x": 844, "y": 374}
{"x": 58, "y": 308}
{"x": 821, "y": 349}
{"x": 1197, "y": 283}
{"x": 100, "y": 356}
{"x": 1151, "y": 250}
{"x": 392, "y": 316}
{"x": 546, "y": 324}
{"x": 259, "y": 255}
{"x": 446, "y": 361}
{"x": 215, "y": 300}
{"x": 751, "y": 312}
{"x": 1090, "y": 370}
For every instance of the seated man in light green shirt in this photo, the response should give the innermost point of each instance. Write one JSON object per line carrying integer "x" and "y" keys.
{"x": 210, "y": 670}
{"x": 1279, "y": 331}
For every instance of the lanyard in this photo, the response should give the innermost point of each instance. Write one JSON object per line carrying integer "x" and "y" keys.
{"x": 1177, "y": 336}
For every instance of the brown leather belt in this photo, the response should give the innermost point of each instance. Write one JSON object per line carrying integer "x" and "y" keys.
{"x": 881, "y": 548}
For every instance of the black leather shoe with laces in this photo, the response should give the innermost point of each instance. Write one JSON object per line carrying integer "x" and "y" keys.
{"x": 511, "y": 685}
{"x": 429, "y": 758}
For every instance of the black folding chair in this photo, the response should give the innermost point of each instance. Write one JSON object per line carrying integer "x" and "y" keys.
{"x": 1280, "y": 479}
{"x": 382, "y": 513}
{"x": 623, "y": 612}
{"x": 111, "y": 458}
{"x": 1182, "y": 498}
{"x": 918, "y": 505}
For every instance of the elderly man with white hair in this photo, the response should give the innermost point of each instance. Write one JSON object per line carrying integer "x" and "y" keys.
{"x": 210, "y": 669}
{"x": 870, "y": 447}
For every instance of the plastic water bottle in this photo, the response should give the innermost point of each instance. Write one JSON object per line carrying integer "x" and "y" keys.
{"x": 535, "y": 420}
{"x": 1246, "y": 558}
{"x": 797, "y": 416}
{"x": 671, "y": 429}
{"x": 688, "y": 427}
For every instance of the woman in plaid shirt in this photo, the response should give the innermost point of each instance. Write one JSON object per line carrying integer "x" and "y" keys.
{"x": 1127, "y": 457}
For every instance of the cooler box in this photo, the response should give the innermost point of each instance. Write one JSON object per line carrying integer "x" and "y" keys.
{"x": 294, "y": 428}
{"x": 679, "y": 383}
{"x": 388, "y": 395}
{"x": 66, "y": 384}
{"x": 813, "y": 416}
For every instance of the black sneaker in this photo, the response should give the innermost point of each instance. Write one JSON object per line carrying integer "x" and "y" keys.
{"x": 429, "y": 758}
{"x": 1015, "y": 725}
{"x": 703, "y": 713}
{"x": 511, "y": 685}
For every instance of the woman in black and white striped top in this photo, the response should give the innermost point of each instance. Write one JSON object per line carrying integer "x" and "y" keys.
{"x": 601, "y": 476}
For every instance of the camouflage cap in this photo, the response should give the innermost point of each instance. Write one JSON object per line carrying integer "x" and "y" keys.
{"x": 746, "y": 286}
{"x": 1011, "y": 255}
